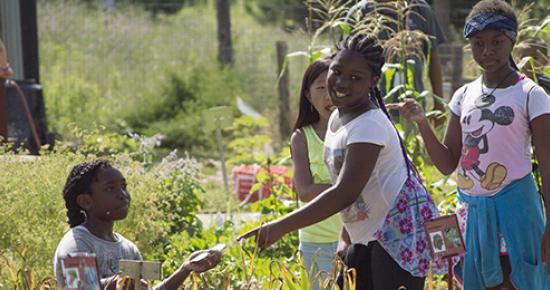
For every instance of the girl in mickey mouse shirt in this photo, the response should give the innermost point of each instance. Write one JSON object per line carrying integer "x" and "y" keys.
{"x": 488, "y": 138}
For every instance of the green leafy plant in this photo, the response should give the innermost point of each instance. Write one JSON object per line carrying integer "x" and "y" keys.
{"x": 32, "y": 216}
{"x": 248, "y": 140}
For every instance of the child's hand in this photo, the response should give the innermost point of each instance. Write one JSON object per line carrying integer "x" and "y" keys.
{"x": 196, "y": 264}
{"x": 118, "y": 282}
{"x": 409, "y": 109}
{"x": 266, "y": 235}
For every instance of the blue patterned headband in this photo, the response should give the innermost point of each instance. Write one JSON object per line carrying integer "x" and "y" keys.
{"x": 491, "y": 21}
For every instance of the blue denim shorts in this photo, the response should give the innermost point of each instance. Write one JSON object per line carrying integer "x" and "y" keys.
{"x": 325, "y": 254}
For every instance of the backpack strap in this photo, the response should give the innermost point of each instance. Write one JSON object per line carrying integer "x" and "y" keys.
{"x": 527, "y": 105}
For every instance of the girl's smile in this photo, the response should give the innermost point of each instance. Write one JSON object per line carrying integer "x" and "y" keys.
{"x": 350, "y": 80}
{"x": 340, "y": 95}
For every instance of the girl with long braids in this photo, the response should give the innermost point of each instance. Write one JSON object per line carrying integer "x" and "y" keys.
{"x": 96, "y": 197}
{"x": 375, "y": 188}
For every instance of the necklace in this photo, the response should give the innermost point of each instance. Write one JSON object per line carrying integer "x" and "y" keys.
{"x": 496, "y": 87}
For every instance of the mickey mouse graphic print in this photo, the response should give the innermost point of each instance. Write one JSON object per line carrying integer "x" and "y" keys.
{"x": 496, "y": 139}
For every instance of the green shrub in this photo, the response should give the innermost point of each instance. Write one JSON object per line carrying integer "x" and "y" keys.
{"x": 180, "y": 203}
{"x": 32, "y": 214}
{"x": 248, "y": 141}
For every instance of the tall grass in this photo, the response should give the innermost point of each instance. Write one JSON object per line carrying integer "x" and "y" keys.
{"x": 122, "y": 69}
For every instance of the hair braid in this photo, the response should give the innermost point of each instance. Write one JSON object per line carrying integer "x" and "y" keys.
{"x": 368, "y": 46}
{"x": 410, "y": 165}
{"x": 81, "y": 177}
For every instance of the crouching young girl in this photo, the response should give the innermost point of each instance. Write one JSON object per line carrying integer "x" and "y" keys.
{"x": 95, "y": 197}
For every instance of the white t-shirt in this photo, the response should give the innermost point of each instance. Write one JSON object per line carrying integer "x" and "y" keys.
{"x": 367, "y": 214}
{"x": 496, "y": 139}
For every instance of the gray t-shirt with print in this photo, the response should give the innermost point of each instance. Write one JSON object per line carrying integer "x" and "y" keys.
{"x": 79, "y": 239}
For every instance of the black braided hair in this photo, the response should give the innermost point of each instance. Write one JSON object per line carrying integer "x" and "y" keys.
{"x": 81, "y": 177}
{"x": 368, "y": 46}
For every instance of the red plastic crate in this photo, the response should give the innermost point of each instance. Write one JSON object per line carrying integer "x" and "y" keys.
{"x": 244, "y": 177}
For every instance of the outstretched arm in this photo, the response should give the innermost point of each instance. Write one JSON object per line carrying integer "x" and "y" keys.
{"x": 445, "y": 155}
{"x": 303, "y": 181}
{"x": 178, "y": 277}
{"x": 358, "y": 164}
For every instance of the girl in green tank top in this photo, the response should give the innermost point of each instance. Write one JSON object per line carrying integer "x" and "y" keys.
{"x": 318, "y": 242}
